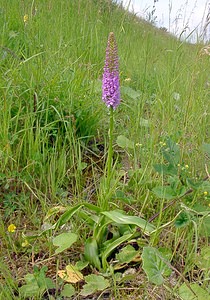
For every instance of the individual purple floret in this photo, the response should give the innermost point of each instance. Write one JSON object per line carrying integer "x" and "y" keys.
{"x": 110, "y": 81}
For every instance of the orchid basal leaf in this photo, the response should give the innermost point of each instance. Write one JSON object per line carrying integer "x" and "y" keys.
{"x": 120, "y": 218}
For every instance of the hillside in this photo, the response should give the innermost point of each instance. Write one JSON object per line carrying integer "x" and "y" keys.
{"x": 66, "y": 199}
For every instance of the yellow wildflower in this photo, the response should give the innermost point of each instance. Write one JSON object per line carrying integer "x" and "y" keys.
{"x": 11, "y": 228}
{"x": 25, "y": 18}
{"x": 205, "y": 193}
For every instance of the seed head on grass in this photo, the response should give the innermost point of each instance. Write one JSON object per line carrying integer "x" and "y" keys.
{"x": 111, "y": 82}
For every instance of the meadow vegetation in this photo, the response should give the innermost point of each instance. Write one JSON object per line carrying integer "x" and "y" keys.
{"x": 64, "y": 234}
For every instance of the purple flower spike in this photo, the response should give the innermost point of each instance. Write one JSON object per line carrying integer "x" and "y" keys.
{"x": 110, "y": 81}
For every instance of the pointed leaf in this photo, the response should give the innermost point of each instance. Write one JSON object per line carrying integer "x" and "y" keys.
{"x": 91, "y": 253}
{"x": 111, "y": 247}
{"x": 121, "y": 218}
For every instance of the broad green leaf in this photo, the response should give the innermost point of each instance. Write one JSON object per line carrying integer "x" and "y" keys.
{"x": 30, "y": 290}
{"x": 92, "y": 207}
{"x": 165, "y": 169}
{"x": 36, "y": 283}
{"x": 165, "y": 192}
{"x": 121, "y": 218}
{"x": 89, "y": 219}
{"x": 165, "y": 252}
{"x": 91, "y": 253}
{"x": 64, "y": 241}
{"x": 68, "y": 291}
{"x": 41, "y": 279}
{"x": 171, "y": 152}
{"x": 182, "y": 220}
{"x": 154, "y": 265}
{"x": 201, "y": 209}
{"x": 196, "y": 210}
{"x": 94, "y": 283}
{"x": 168, "y": 193}
{"x": 195, "y": 185}
{"x": 195, "y": 292}
{"x": 124, "y": 142}
{"x": 130, "y": 92}
{"x": 119, "y": 195}
{"x": 112, "y": 246}
{"x": 205, "y": 227}
{"x": 203, "y": 259}
{"x": 206, "y": 148}
{"x": 127, "y": 254}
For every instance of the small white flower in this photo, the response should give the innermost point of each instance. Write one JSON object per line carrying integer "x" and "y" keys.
{"x": 176, "y": 96}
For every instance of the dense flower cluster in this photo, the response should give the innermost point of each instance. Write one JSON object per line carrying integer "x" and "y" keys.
{"x": 111, "y": 82}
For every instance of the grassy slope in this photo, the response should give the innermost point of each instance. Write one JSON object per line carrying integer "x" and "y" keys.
{"x": 51, "y": 100}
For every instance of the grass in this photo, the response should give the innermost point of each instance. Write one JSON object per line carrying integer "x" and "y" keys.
{"x": 54, "y": 137}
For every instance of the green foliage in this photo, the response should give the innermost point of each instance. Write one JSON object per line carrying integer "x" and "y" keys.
{"x": 179, "y": 185}
{"x": 64, "y": 241}
{"x": 127, "y": 254}
{"x": 197, "y": 214}
{"x": 36, "y": 283}
{"x": 120, "y": 218}
{"x": 193, "y": 291}
{"x": 124, "y": 142}
{"x": 98, "y": 247}
{"x": 155, "y": 265}
{"x": 182, "y": 220}
{"x": 91, "y": 253}
{"x": 94, "y": 283}
{"x": 68, "y": 290}
{"x": 206, "y": 148}
{"x": 203, "y": 259}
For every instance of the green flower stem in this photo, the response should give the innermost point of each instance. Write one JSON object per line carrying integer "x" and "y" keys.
{"x": 104, "y": 200}
{"x": 110, "y": 150}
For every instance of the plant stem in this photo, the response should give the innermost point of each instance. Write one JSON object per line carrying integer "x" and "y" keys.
{"x": 110, "y": 150}
{"x": 108, "y": 169}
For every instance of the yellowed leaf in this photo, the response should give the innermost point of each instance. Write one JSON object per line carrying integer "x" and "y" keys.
{"x": 70, "y": 274}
